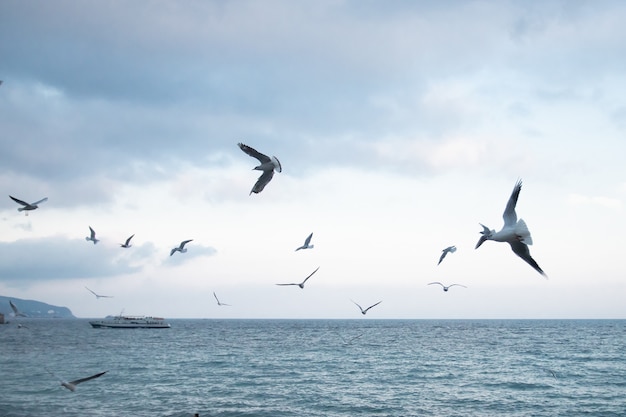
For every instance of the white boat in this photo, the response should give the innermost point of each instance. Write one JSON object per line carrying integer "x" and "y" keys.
{"x": 131, "y": 322}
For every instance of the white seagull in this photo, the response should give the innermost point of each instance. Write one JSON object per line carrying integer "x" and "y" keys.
{"x": 16, "y": 312}
{"x": 92, "y": 236}
{"x": 446, "y": 288}
{"x": 514, "y": 232}
{"x": 449, "y": 249}
{"x": 72, "y": 384}
{"x": 268, "y": 165}
{"x": 301, "y": 285}
{"x": 98, "y": 296}
{"x": 365, "y": 311}
{"x": 127, "y": 243}
{"x": 219, "y": 303}
{"x": 307, "y": 244}
{"x": 181, "y": 247}
{"x": 26, "y": 206}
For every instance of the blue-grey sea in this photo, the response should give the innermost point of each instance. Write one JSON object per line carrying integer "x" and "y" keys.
{"x": 326, "y": 368}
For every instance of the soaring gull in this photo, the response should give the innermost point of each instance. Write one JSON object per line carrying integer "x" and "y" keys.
{"x": 28, "y": 206}
{"x": 446, "y": 288}
{"x": 181, "y": 248}
{"x": 301, "y": 285}
{"x": 268, "y": 165}
{"x": 16, "y": 312}
{"x": 127, "y": 243}
{"x": 365, "y": 311}
{"x": 72, "y": 384}
{"x": 219, "y": 303}
{"x": 449, "y": 249}
{"x": 92, "y": 236}
{"x": 307, "y": 244}
{"x": 98, "y": 296}
{"x": 514, "y": 232}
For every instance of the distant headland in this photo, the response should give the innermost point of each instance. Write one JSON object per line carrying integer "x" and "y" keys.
{"x": 32, "y": 309}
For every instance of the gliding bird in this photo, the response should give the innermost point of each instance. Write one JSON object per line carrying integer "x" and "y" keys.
{"x": 72, "y": 384}
{"x": 365, "y": 311}
{"x": 268, "y": 165}
{"x": 448, "y": 287}
{"x": 98, "y": 296}
{"x": 449, "y": 249}
{"x": 16, "y": 312}
{"x": 26, "y": 206}
{"x": 181, "y": 248}
{"x": 514, "y": 232}
{"x": 301, "y": 285}
{"x": 219, "y": 303}
{"x": 306, "y": 243}
{"x": 127, "y": 243}
{"x": 92, "y": 236}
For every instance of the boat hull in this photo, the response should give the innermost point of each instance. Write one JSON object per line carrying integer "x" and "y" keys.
{"x": 128, "y": 322}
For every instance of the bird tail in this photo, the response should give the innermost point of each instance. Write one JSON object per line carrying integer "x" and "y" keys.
{"x": 522, "y": 231}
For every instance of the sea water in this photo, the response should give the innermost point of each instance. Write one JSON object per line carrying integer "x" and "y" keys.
{"x": 316, "y": 368}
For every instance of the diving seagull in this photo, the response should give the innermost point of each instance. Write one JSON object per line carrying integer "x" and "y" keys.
{"x": 72, "y": 384}
{"x": 365, "y": 311}
{"x": 514, "y": 232}
{"x": 92, "y": 236}
{"x": 181, "y": 248}
{"x": 307, "y": 244}
{"x": 98, "y": 296}
{"x": 219, "y": 303}
{"x": 26, "y": 206}
{"x": 268, "y": 165}
{"x": 301, "y": 285}
{"x": 127, "y": 243}
{"x": 449, "y": 249}
{"x": 16, "y": 312}
{"x": 446, "y": 288}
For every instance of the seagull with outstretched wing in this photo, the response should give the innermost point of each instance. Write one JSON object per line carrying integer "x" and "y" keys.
{"x": 364, "y": 311}
{"x": 446, "y": 288}
{"x": 181, "y": 248}
{"x": 219, "y": 303}
{"x": 127, "y": 243}
{"x": 92, "y": 236}
{"x": 71, "y": 385}
{"x": 98, "y": 296}
{"x": 301, "y": 285}
{"x": 28, "y": 206}
{"x": 268, "y": 166}
{"x": 449, "y": 249}
{"x": 307, "y": 243}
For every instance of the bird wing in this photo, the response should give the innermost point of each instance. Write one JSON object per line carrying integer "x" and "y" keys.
{"x": 92, "y": 292}
{"x": 458, "y": 285}
{"x": 509, "y": 216}
{"x": 262, "y": 181}
{"x": 360, "y": 308}
{"x": 14, "y": 308}
{"x": 184, "y": 242}
{"x": 282, "y": 285}
{"x": 172, "y": 251}
{"x": 523, "y": 252}
{"x": 18, "y": 201}
{"x": 254, "y": 153}
{"x": 128, "y": 240}
{"x": 93, "y": 233}
{"x": 43, "y": 200}
{"x": 373, "y": 305}
{"x": 308, "y": 240}
{"x": 443, "y": 255}
{"x": 436, "y": 282}
{"x": 311, "y": 274}
{"x": 78, "y": 381}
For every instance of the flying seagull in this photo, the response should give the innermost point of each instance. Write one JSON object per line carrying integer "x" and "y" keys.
{"x": 219, "y": 303}
{"x": 127, "y": 243}
{"x": 301, "y": 285}
{"x": 449, "y": 249}
{"x": 268, "y": 165}
{"x": 365, "y": 311}
{"x": 448, "y": 287}
{"x": 16, "y": 312}
{"x": 98, "y": 296}
{"x": 26, "y": 206}
{"x": 72, "y": 384}
{"x": 181, "y": 247}
{"x": 514, "y": 232}
{"x": 307, "y": 242}
{"x": 92, "y": 236}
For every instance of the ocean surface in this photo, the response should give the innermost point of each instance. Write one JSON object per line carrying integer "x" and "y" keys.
{"x": 277, "y": 368}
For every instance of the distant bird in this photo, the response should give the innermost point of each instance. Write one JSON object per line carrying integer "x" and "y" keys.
{"x": 307, "y": 242}
{"x": 514, "y": 232}
{"x": 98, "y": 296}
{"x": 219, "y": 303}
{"x": 449, "y": 249}
{"x": 92, "y": 236}
{"x": 26, "y": 206}
{"x": 351, "y": 339}
{"x": 301, "y": 285}
{"x": 72, "y": 384}
{"x": 127, "y": 243}
{"x": 448, "y": 287}
{"x": 365, "y": 311}
{"x": 16, "y": 312}
{"x": 181, "y": 248}
{"x": 268, "y": 165}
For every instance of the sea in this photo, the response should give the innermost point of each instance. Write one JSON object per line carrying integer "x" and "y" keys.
{"x": 329, "y": 368}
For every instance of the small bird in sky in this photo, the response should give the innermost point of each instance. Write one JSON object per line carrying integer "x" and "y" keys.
{"x": 449, "y": 249}
{"x": 72, "y": 384}
{"x": 219, "y": 303}
{"x": 28, "y": 206}
{"x": 268, "y": 165}
{"x": 16, "y": 311}
{"x": 301, "y": 285}
{"x": 181, "y": 248}
{"x": 307, "y": 244}
{"x": 446, "y": 288}
{"x": 365, "y": 311}
{"x": 127, "y": 243}
{"x": 514, "y": 232}
{"x": 92, "y": 236}
{"x": 98, "y": 296}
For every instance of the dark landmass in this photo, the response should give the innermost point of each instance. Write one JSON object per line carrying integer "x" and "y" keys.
{"x": 33, "y": 309}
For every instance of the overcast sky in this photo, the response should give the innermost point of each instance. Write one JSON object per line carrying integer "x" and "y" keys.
{"x": 400, "y": 126}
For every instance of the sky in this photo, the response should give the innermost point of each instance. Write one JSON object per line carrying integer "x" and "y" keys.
{"x": 400, "y": 126}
